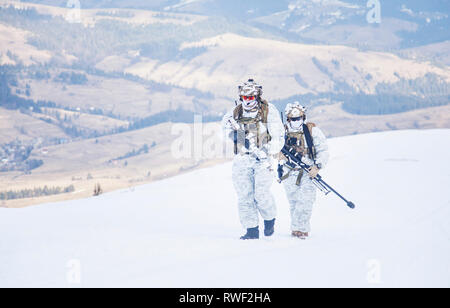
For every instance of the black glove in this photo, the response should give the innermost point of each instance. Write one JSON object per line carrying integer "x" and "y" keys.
{"x": 280, "y": 172}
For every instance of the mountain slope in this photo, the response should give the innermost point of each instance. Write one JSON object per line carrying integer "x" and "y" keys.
{"x": 14, "y": 48}
{"x": 183, "y": 231}
{"x": 403, "y": 23}
{"x": 212, "y": 55}
{"x": 285, "y": 69}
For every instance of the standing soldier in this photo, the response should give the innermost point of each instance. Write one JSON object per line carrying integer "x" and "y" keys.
{"x": 256, "y": 129}
{"x": 308, "y": 141}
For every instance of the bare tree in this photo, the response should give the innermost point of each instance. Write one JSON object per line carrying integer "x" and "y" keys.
{"x": 97, "y": 190}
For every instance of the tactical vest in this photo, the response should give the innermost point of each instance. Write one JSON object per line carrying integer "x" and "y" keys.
{"x": 303, "y": 143}
{"x": 257, "y": 126}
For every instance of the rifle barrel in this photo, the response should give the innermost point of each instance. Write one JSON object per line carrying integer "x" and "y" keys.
{"x": 318, "y": 178}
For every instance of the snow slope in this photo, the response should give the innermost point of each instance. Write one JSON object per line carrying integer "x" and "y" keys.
{"x": 183, "y": 231}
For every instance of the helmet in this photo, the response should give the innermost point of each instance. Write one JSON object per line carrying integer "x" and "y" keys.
{"x": 250, "y": 88}
{"x": 295, "y": 110}
{"x": 249, "y": 93}
{"x": 296, "y": 115}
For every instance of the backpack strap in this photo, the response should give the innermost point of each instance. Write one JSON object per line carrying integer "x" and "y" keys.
{"x": 310, "y": 126}
{"x": 235, "y": 141}
{"x": 237, "y": 112}
{"x": 307, "y": 130}
{"x": 264, "y": 117}
{"x": 264, "y": 110}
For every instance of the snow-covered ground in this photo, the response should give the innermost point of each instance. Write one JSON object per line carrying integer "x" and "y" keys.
{"x": 183, "y": 231}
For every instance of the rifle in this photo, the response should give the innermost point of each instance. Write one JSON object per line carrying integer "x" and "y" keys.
{"x": 294, "y": 160}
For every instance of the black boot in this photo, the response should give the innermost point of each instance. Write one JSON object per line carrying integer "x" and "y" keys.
{"x": 269, "y": 227}
{"x": 252, "y": 234}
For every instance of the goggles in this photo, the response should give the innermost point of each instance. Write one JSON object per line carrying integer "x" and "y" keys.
{"x": 296, "y": 119}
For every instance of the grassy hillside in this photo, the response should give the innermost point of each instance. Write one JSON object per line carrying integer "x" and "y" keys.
{"x": 285, "y": 69}
{"x": 17, "y": 125}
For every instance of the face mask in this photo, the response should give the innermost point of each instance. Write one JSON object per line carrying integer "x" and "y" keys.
{"x": 249, "y": 104}
{"x": 296, "y": 124}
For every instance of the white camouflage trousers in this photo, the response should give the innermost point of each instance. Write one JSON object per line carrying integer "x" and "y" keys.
{"x": 252, "y": 181}
{"x": 301, "y": 200}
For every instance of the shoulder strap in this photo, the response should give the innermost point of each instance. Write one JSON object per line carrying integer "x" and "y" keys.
{"x": 310, "y": 126}
{"x": 237, "y": 112}
{"x": 307, "y": 129}
{"x": 264, "y": 110}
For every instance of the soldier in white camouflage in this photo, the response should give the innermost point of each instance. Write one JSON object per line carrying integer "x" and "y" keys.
{"x": 308, "y": 140}
{"x": 257, "y": 131}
